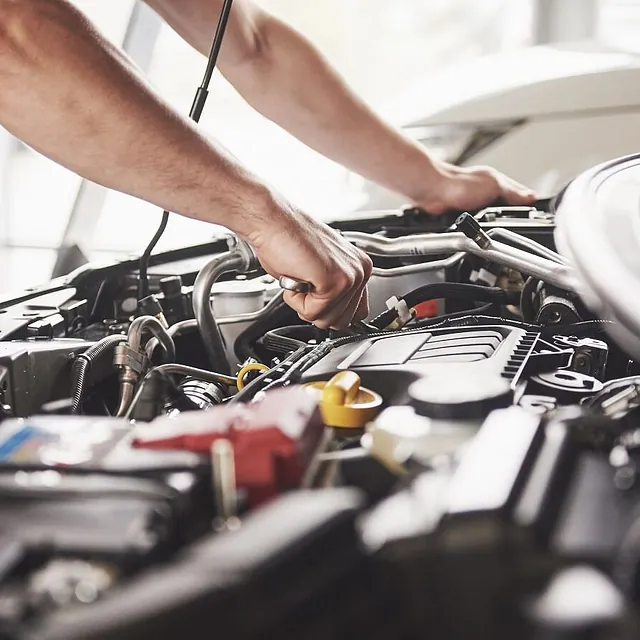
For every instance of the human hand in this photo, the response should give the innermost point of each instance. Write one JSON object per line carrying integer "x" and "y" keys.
{"x": 471, "y": 188}
{"x": 300, "y": 247}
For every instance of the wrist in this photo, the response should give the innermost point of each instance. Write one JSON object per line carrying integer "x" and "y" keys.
{"x": 434, "y": 194}
{"x": 264, "y": 212}
{"x": 422, "y": 179}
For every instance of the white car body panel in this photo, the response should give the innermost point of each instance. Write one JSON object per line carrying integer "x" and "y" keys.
{"x": 547, "y": 153}
{"x": 533, "y": 82}
{"x": 579, "y": 105}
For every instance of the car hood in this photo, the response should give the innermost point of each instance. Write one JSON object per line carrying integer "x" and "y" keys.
{"x": 533, "y": 82}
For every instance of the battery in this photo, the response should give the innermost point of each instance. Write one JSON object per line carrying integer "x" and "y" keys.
{"x": 80, "y": 444}
{"x": 73, "y": 487}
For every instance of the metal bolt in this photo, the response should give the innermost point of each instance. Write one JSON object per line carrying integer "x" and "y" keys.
{"x": 471, "y": 228}
{"x": 224, "y": 484}
{"x": 581, "y": 362}
{"x": 625, "y": 478}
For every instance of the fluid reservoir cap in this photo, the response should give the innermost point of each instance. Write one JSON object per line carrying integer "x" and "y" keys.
{"x": 450, "y": 396}
{"x": 567, "y": 386}
{"x": 344, "y": 403}
{"x": 171, "y": 286}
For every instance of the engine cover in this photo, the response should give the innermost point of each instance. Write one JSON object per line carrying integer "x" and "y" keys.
{"x": 390, "y": 364}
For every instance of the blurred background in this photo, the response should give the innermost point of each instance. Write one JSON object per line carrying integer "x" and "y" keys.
{"x": 382, "y": 47}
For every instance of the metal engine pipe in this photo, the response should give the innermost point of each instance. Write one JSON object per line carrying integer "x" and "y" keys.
{"x": 240, "y": 258}
{"x": 555, "y": 273}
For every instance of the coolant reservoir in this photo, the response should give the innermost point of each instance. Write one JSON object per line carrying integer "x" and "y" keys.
{"x": 238, "y": 296}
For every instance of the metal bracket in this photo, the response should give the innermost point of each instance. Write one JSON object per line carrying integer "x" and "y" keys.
{"x": 127, "y": 358}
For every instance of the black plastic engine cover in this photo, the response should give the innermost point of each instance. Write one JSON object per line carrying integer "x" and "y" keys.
{"x": 38, "y": 371}
{"x": 389, "y": 364}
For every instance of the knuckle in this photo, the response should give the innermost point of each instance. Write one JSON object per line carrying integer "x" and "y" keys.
{"x": 322, "y": 324}
{"x": 310, "y": 317}
{"x": 487, "y": 173}
{"x": 292, "y": 300}
{"x": 344, "y": 281}
{"x": 367, "y": 264}
{"x": 358, "y": 276}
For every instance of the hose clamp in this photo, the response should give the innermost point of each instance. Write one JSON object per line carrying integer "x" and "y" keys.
{"x": 127, "y": 358}
{"x": 245, "y": 251}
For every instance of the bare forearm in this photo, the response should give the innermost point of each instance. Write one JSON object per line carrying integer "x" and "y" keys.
{"x": 69, "y": 94}
{"x": 287, "y": 79}
{"x": 294, "y": 86}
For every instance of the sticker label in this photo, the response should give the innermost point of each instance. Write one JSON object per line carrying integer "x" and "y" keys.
{"x": 23, "y": 445}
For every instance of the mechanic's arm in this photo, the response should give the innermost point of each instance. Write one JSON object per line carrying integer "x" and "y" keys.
{"x": 283, "y": 76}
{"x": 68, "y": 93}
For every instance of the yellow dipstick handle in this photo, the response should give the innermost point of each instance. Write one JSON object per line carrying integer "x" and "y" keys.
{"x": 344, "y": 403}
{"x": 254, "y": 366}
{"x": 342, "y": 389}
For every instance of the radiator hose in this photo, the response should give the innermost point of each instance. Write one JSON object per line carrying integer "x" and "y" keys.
{"x": 448, "y": 291}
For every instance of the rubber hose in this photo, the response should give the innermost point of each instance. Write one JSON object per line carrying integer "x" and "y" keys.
{"x": 447, "y": 290}
{"x": 526, "y": 300}
{"x": 450, "y": 317}
{"x": 82, "y": 366}
{"x": 575, "y": 329}
{"x": 152, "y": 325}
{"x": 281, "y": 315}
{"x": 287, "y": 339}
{"x": 465, "y": 321}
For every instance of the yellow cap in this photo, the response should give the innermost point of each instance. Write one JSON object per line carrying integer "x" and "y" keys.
{"x": 344, "y": 403}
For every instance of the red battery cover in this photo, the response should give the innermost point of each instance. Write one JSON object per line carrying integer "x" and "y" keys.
{"x": 274, "y": 440}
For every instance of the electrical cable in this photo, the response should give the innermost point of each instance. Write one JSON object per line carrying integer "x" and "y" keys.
{"x": 430, "y": 322}
{"x": 447, "y": 291}
{"x": 181, "y": 370}
{"x": 143, "y": 269}
{"x": 286, "y": 339}
{"x": 300, "y": 366}
{"x": 577, "y": 329}
{"x": 248, "y": 368}
{"x": 82, "y": 366}
{"x": 306, "y": 356}
{"x": 254, "y": 386}
{"x": 193, "y": 372}
{"x": 195, "y": 114}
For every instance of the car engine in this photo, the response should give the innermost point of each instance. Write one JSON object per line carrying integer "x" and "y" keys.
{"x": 464, "y": 464}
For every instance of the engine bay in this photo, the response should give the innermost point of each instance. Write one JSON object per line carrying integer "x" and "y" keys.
{"x": 463, "y": 464}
